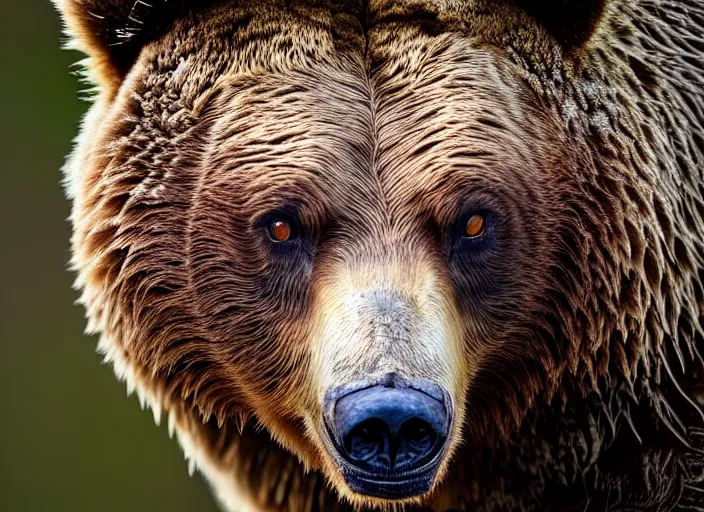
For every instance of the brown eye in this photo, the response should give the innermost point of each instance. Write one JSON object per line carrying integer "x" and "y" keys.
{"x": 280, "y": 231}
{"x": 475, "y": 227}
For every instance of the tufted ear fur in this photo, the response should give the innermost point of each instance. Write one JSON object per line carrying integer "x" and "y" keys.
{"x": 112, "y": 32}
{"x": 571, "y": 22}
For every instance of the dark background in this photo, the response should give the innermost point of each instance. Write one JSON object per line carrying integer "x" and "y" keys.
{"x": 70, "y": 438}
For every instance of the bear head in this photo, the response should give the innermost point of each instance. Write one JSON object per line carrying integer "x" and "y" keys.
{"x": 373, "y": 235}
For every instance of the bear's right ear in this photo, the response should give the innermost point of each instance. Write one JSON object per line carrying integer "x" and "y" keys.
{"x": 112, "y": 32}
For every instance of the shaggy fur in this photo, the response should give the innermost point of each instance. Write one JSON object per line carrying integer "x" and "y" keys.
{"x": 570, "y": 342}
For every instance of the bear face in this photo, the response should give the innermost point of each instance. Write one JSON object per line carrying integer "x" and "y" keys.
{"x": 378, "y": 277}
{"x": 385, "y": 247}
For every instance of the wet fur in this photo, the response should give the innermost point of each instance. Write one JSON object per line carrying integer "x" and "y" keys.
{"x": 582, "y": 339}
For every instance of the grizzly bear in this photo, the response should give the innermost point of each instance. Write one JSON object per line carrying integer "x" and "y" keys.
{"x": 403, "y": 254}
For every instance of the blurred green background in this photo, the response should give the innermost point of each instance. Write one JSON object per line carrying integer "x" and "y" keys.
{"x": 70, "y": 438}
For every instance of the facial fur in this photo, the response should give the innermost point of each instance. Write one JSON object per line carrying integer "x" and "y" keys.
{"x": 570, "y": 329}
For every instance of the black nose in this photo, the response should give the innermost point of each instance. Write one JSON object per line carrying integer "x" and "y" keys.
{"x": 386, "y": 430}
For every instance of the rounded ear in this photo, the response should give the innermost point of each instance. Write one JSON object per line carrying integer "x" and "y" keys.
{"x": 112, "y": 32}
{"x": 571, "y": 22}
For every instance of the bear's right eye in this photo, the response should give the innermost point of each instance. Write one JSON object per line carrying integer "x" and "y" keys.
{"x": 280, "y": 230}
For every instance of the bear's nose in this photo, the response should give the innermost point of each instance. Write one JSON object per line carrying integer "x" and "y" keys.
{"x": 386, "y": 430}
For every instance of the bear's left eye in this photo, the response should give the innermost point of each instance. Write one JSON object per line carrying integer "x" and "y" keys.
{"x": 473, "y": 233}
{"x": 475, "y": 227}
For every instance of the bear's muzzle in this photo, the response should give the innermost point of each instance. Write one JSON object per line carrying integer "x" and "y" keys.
{"x": 389, "y": 437}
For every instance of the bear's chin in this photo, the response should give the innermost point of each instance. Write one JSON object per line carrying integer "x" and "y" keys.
{"x": 393, "y": 487}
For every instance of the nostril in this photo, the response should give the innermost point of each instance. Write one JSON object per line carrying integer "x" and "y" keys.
{"x": 388, "y": 439}
{"x": 389, "y": 429}
{"x": 416, "y": 441}
{"x": 369, "y": 442}
{"x": 420, "y": 435}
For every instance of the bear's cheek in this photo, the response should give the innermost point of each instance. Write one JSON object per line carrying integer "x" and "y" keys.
{"x": 254, "y": 308}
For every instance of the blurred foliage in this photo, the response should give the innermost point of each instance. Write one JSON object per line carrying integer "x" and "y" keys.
{"x": 70, "y": 439}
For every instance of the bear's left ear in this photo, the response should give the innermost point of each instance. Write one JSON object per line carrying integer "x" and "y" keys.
{"x": 571, "y": 22}
{"x": 112, "y": 32}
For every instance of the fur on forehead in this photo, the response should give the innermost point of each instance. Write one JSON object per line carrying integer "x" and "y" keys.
{"x": 113, "y": 32}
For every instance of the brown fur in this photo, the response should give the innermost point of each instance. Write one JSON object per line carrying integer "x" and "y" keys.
{"x": 571, "y": 349}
